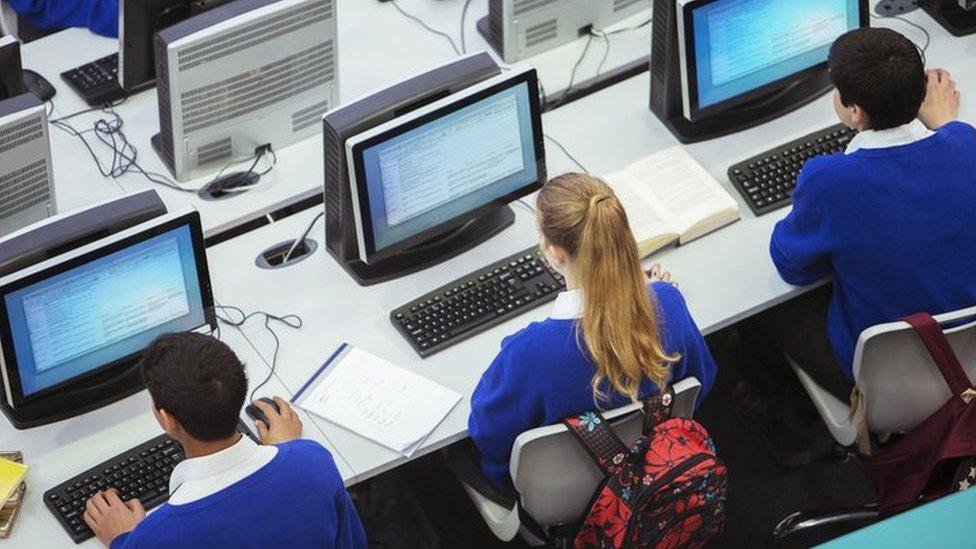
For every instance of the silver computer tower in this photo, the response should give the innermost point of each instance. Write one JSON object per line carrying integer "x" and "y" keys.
{"x": 518, "y": 29}
{"x": 26, "y": 176}
{"x": 245, "y": 74}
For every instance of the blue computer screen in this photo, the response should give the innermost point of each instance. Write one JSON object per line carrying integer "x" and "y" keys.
{"x": 81, "y": 319}
{"x": 742, "y": 45}
{"x": 450, "y": 165}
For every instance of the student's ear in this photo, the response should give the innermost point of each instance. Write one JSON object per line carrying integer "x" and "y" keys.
{"x": 166, "y": 420}
{"x": 557, "y": 254}
{"x": 859, "y": 118}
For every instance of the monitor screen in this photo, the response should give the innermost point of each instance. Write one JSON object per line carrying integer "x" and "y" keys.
{"x": 65, "y": 323}
{"x": 736, "y": 47}
{"x": 444, "y": 164}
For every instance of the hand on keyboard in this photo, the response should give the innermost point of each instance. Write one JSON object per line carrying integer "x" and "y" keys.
{"x": 109, "y": 517}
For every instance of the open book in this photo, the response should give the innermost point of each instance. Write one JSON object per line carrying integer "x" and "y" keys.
{"x": 670, "y": 198}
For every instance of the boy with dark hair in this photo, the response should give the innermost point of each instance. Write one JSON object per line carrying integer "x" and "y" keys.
{"x": 229, "y": 491}
{"x": 892, "y": 220}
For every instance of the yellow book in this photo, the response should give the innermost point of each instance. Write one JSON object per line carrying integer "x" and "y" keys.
{"x": 11, "y": 475}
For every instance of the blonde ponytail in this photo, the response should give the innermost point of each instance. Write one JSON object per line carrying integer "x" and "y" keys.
{"x": 582, "y": 215}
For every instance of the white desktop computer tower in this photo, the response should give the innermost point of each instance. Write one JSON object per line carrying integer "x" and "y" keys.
{"x": 26, "y": 176}
{"x": 241, "y": 76}
{"x": 518, "y": 29}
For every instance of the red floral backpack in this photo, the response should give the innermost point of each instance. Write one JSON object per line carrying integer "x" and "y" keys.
{"x": 667, "y": 490}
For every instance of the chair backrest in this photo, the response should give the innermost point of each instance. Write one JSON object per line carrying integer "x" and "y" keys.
{"x": 898, "y": 380}
{"x": 553, "y": 474}
{"x": 8, "y": 20}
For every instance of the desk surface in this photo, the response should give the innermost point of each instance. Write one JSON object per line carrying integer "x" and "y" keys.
{"x": 725, "y": 276}
{"x": 372, "y": 54}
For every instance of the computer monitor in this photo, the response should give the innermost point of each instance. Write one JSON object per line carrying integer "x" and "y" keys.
{"x": 73, "y": 324}
{"x": 719, "y": 66}
{"x": 26, "y": 175}
{"x": 242, "y": 76}
{"x": 11, "y": 69}
{"x": 139, "y": 20}
{"x": 435, "y": 181}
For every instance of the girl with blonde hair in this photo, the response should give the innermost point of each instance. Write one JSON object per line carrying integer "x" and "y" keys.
{"x": 613, "y": 337}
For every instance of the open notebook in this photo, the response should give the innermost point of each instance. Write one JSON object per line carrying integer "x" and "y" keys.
{"x": 670, "y": 198}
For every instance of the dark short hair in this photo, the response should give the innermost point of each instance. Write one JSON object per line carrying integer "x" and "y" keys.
{"x": 880, "y": 71}
{"x": 199, "y": 380}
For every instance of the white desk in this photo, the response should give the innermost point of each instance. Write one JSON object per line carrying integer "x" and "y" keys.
{"x": 61, "y": 450}
{"x": 725, "y": 276}
{"x": 377, "y": 46}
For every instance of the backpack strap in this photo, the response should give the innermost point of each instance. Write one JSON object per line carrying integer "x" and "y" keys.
{"x": 658, "y": 408}
{"x": 595, "y": 435}
{"x": 938, "y": 346}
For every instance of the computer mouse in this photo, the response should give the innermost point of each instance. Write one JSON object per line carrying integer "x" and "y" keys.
{"x": 38, "y": 85}
{"x": 257, "y": 414}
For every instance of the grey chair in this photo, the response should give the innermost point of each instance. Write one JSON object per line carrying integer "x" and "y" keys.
{"x": 555, "y": 477}
{"x": 901, "y": 387}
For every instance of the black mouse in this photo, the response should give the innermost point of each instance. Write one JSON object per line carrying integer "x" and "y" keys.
{"x": 257, "y": 414}
{"x": 230, "y": 184}
{"x": 38, "y": 85}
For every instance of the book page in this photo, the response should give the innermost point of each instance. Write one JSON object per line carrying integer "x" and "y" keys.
{"x": 683, "y": 188}
{"x": 383, "y": 402}
{"x": 648, "y": 221}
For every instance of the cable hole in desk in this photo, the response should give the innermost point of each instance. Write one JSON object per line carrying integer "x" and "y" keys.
{"x": 274, "y": 257}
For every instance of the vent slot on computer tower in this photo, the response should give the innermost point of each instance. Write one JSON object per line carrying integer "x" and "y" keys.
{"x": 523, "y": 6}
{"x": 260, "y": 32}
{"x": 537, "y": 34}
{"x": 215, "y": 152}
{"x": 623, "y": 4}
{"x": 19, "y": 134}
{"x": 252, "y": 90}
{"x": 24, "y": 188}
{"x": 309, "y": 116}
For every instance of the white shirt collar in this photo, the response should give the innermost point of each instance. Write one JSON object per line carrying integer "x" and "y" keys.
{"x": 197, "y": 478}
{"x": 568, "y": 305}
{"x": 892, "y": 137}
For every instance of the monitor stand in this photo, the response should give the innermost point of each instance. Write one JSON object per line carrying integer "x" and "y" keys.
{"x": 432, "y": 251}
{"x": 93, "y": 393}
{"x": 953, "y": 17}
{"x": 756, "y": 112}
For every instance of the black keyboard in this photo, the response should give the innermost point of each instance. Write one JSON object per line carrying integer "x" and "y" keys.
{"x": 140, "y": 472}
{"x": 96, "y": 82}
{"x": 477, "y": 302}
{"x": 767, "y": 181}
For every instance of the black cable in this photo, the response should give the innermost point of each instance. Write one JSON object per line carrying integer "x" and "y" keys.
{"x": 606, "y": 54}
{"x": 430, "y": 29}
{"x": 290, "y": 320}
{"x": 464, "y": 14}
{"x": 571, "y": 157}
{"x": 302, "y": 238}
{"x": 109, "y": 131}
{"x": 928, "y": 37}
{"x": 526, "y": 205}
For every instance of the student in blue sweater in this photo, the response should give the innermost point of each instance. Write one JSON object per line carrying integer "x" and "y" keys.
{"x": 891, "y": 220}
{"x": 230, "y": 491}
{"x": 611, "y": 339}
{"x": 99, "y": 16}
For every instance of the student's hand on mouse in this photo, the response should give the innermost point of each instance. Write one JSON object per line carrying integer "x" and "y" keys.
{"x": 941, "y": 104}
{"x": 284, "y": 425}
{"x": 657, "y": 274}
{"x": 109, "y": 517}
